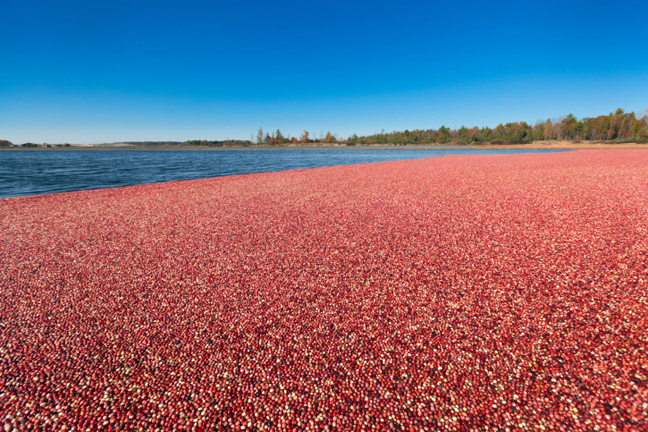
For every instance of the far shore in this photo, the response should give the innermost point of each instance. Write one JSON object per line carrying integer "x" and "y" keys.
{"x": 531, "y": 146}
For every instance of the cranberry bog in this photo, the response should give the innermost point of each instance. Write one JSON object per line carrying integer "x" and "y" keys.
{"x": 500, "y": 292}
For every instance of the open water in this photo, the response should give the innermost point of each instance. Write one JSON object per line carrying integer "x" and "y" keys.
{"x": 34, "y": 172}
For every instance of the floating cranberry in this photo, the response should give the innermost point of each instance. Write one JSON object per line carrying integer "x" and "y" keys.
{"x": 456, "y": 293}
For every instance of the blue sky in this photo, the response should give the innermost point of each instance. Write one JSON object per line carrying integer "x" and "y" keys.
{"x": 102, "y": 71}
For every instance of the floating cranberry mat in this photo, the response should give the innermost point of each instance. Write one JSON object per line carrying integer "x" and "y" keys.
{"x": 455, "y": 293}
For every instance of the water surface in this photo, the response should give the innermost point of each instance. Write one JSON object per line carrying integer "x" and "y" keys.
{"x": 33, "y": 172}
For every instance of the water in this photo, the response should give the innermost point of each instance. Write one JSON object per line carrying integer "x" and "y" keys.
{"x": 34, "y": 172}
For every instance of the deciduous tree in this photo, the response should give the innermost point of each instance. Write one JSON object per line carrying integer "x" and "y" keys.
{"x": 259, "y": 137}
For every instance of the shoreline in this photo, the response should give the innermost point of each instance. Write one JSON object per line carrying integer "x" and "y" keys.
{"x": 537, "y": 145}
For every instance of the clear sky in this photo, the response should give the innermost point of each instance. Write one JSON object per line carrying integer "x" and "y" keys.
{"x": 103, "y": 71}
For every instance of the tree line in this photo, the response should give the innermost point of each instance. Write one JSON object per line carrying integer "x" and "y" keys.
{"x": 618, "y": 126}
{"x": 614, "y": 127}
{"x": 278, "y": 138}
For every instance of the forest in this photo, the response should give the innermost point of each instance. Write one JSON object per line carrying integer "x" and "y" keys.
{"x": 615, "y": 127}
